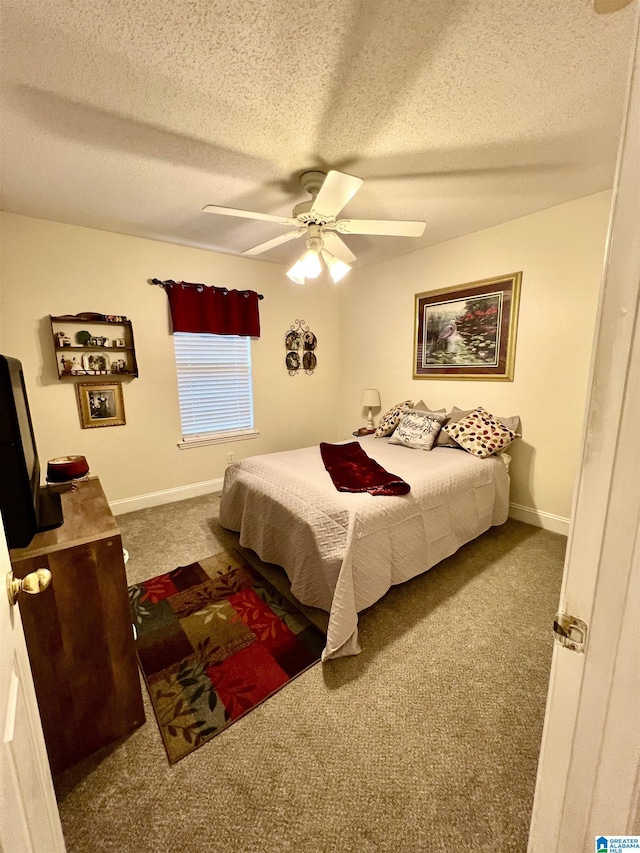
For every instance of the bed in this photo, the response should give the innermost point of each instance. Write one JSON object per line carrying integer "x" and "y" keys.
{"x": 343, "y": 551}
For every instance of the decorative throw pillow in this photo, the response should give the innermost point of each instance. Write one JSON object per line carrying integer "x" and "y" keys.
{"x": 390, "y": 420}
{"x": 421, "y": 406}
{"x": 417, "y": 429}
{"x": 456, "y": 414}
{"x": 481, "y": 434}
{"x": 512, "y": 423}
{"x": 444, "y": 439}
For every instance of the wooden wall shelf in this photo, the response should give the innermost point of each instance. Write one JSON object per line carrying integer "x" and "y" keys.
{"x": 84, "y": 347}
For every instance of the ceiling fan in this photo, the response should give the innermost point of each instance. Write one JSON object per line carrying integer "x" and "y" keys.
{"x": 317, "y": 220}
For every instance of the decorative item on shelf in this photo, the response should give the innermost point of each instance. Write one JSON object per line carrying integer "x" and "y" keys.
{"x": 300, "y": 337}
{"x": 64, "y": 471}
{"x": 70, "y": 366}
{"x": 63, "y": 339}
{"x": 119, "y": 342}
{"x": 83, "y": 337}
{"x": 67, "y": 366}
{"x": 370, "y": 400}
{"x": 98, "y": 362}
{"x": 100, "y": 405}
{"x": 119, "y": 366}
{"x": 99, "y": 341}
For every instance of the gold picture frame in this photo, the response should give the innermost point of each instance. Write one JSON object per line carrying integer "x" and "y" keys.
{"x": 468, "y": 331}
{"x": 101, "y": 404}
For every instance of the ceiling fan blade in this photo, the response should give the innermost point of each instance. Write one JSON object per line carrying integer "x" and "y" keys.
{"x": 338, "y": 247}
{"x": 249, "y": 214}
{"x": 271, "y": 244}
{"x": 334, "y": 193}
{"x": 381, "y": 227}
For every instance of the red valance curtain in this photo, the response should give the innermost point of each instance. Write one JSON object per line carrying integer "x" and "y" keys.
{"x": 216, "y": 310}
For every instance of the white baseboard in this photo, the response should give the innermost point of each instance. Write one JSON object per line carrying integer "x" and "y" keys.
{"x": 166, "y": 496}
{"x": 546, "y": 520}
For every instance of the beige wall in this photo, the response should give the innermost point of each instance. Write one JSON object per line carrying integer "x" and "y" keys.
{"x": 560, "y": 252}
{"x": 365, "y": 332}
{"x": 51, "y": 268}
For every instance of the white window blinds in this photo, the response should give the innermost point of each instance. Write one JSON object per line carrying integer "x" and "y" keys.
{"x": 214, "y": 385}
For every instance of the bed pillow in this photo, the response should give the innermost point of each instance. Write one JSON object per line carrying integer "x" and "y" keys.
{"x": 481, "y": 434}
{"x": 390, "y": 420}
{"x": 417, "y": 429}
{"x": 444, "y": 439}
{"x": 512, "y": 423}
{"x": 421, "y": 406}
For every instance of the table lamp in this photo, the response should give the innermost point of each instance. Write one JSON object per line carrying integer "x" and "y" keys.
{"x": 370, "y": 400}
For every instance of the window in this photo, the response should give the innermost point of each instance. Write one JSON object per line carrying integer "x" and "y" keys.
{"x": 214, "y": 387}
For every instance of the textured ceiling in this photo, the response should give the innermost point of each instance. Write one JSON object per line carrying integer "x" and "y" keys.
{"x": 130, "y": 117}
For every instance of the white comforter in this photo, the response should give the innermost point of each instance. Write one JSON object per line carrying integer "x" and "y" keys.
{"x": 343, "y": 551}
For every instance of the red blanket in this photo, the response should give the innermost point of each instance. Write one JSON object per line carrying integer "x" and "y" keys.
{"x": 353, "y": 471}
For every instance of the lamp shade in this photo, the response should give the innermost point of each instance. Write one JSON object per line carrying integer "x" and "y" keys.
{"x": 296, "y": 273}
{"x": 370, "y": 398}
{"x": 311, "y": 265}
{"x": 337, "y": 268}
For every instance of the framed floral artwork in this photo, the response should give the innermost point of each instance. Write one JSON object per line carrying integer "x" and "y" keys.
{"x": 468, "y": 331}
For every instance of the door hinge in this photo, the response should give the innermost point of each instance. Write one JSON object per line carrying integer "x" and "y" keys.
{"x": 570, "y": 632}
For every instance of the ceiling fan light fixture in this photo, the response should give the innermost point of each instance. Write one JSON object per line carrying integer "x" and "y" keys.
{"x": 318, "y": 219}
{"x": 311, "y": 265}
{"x": 296, "y": 273}
{"x": 337, "y": 268}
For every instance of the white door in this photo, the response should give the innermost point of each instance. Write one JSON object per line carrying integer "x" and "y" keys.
{"x": 29, "y": 820}
{"x": 589, "y": 772}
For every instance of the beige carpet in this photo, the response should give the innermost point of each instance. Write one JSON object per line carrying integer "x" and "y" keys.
{"x": 427, "y": 741}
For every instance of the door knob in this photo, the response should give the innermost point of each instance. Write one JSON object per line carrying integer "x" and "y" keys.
{"x": 33, "y": 583}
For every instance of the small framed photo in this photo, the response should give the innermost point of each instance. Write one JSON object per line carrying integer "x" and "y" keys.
{"x": 468, "y": 331}
{"x": 100, "y": 404}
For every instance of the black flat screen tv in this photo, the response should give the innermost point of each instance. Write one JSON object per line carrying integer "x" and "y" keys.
{"x": 26, "y": 506}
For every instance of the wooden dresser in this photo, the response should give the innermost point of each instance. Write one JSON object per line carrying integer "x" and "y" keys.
{"x": 78, "y": 631}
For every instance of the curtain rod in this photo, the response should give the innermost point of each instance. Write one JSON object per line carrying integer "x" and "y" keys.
{"x": 161, "y": 283}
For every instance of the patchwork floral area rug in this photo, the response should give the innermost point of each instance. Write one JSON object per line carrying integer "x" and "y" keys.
{"x": 214, "y": 639}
